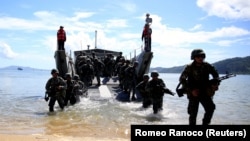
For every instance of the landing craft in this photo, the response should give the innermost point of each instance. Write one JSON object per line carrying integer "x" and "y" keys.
{"x": 66, "y": 64}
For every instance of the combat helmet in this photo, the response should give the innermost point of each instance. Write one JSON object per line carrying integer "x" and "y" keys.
{"x": 54, "y": 71}
{"x": 76, "y": 77}
{"x": 136, "y": 63}
{"x": 154, "y": 74}
{"x": 67, "y": 75}
{"x": 197, "y": 52}
{"x": 145, "y": 76}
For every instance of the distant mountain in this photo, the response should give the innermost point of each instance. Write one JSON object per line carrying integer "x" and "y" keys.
{"x": 237, "y": 65}
{"x": 20, "y": 68}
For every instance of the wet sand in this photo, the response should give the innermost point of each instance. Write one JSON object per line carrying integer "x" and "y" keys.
{"x": 72, "y": 134}
{"x": 38, "y": 137}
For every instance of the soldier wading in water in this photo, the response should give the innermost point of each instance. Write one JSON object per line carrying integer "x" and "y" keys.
{"x": 195, "y": 79}
{"x": 55, "y": 90}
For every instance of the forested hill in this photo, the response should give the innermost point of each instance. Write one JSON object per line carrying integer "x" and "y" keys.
{"x": 237, "y": 65}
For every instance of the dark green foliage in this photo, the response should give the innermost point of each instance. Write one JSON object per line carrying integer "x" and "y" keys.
{"x": 237, "y": 65}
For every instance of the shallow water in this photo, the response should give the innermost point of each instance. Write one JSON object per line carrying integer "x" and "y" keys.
{"x": 24, "y": 111}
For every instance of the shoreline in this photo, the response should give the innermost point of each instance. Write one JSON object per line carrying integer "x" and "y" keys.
{"x": 41, "y": 137}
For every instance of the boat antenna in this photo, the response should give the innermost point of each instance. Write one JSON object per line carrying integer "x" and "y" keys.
{"x": 81, "y": 44}
{"x": 95, "y": 39}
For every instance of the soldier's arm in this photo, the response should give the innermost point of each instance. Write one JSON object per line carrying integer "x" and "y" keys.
{"x": 63, "y": 84}
{"x": 184, "y": 75}
{"x": 47, "y": 86}
{"x": 214, "y": 72}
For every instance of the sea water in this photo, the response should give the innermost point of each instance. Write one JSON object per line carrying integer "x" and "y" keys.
{"x": 23, "y": 109}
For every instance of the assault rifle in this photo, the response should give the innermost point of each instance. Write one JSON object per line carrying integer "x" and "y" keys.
{"x": 168, "y": 91}
{"x": 216, "y": 81}
{"x": 165, "y": 90}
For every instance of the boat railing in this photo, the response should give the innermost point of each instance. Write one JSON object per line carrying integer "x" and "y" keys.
{"x": 133, "y": 54}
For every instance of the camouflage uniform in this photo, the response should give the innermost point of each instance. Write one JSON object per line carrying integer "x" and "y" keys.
{"x": 141, "y": 87}
{"x": 109, "y": 65}
{"x": 155, "y": 87}
{"x": 117, "y": 70}
{"x": 196, "y": 80}
{"x": 130, "y": 79}
{"x": 122, "y": 74}
{"x": 87, "y": 73}
{"x": 79, "y": 89}
{"x": 56, "y": 88}
{"x": 98, "y": 69}
{"x": 70, "y": 85}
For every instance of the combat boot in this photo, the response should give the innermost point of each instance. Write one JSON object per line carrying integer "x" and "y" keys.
{"x": 51, "y": 109}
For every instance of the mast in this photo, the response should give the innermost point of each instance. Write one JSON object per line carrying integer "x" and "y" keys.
{"x": 95, "y": 39}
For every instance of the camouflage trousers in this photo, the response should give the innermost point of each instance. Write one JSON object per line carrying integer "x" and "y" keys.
{"x": 157, "y": 104}
{"x": 193, "y": 106}
{"x": 59, "y": 97}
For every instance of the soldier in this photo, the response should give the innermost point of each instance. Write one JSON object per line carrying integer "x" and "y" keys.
{"x": 146, "y": 36}
{"x": 118, "y": 60}
{"x": 195, "y": 78}
{"x": 130, "y": 78}
{"x": 93, "y": 57}
{"x": 98, "y": 69}
{"x": 70, "y": 85}
{"x": 79, "y": 89}
{"x": 141, "y": 87}
{"x": 87, "y": 73}
{"x": 118, "y": 69}
{"x": 56, "y": 89}
{"x": 148, "y": 20}
{"x": 61, "y": 38}
{"x": 109, "y": 65}
{"x": 121, "y": 75}
{"x": 155, "y": 87}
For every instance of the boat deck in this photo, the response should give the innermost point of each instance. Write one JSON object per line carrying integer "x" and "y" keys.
{"x": 109, "y": 89}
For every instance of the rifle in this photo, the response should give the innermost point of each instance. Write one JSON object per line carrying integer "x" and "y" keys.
{"x": 215, "y": 81}
{"x": 168, "y": 91}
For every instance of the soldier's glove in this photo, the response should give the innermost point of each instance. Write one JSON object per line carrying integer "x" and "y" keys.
{"x": 46, "y": 97}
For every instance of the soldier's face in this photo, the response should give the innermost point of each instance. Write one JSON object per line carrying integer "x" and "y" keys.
{"x": 55, "y": 74}
{"x": 199, "y": 58}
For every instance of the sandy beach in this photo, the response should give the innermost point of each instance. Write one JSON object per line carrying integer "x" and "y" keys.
{"x": 39, "y": 137}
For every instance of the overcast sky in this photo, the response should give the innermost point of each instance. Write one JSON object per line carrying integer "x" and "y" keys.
{"x": 28, "y": 29}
